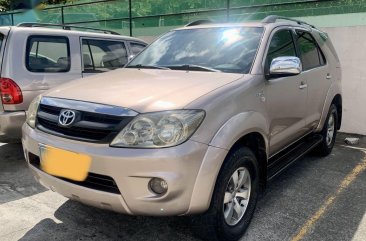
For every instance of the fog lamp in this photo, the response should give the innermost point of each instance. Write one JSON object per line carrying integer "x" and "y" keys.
{"x": 158, "y": 185}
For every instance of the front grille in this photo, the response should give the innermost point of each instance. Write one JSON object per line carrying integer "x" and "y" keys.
{"x": 90, "y": 126}
{"x": 93, "y": 181}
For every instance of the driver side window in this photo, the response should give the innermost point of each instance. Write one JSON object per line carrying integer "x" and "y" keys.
{"x": 281, "y": 45}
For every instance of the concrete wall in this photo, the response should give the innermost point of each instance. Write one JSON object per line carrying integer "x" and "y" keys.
{"x": 350, "y": 43}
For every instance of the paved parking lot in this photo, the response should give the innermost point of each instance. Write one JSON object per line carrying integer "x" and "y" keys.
{"x": 316, "y": 199}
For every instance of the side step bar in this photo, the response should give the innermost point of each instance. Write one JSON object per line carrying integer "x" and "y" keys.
{"x": 285, "y": 158}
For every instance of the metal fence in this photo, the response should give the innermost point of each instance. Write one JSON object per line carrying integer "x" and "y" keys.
{"x": 153, "y": 17}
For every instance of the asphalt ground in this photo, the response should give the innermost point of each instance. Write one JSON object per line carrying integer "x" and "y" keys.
{"x": 315, "y": 199}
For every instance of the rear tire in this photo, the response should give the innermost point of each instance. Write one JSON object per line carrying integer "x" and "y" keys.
{"x": 329, "y": 132}
{"x": 234, "y": 199}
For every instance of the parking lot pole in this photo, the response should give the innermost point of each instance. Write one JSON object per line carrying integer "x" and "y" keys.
{"x": 62, "y": 15}
{"x": 227, "y": 10}
{"x": 130, "y": 15}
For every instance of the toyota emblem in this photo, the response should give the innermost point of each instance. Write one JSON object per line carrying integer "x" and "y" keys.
{"x": 66, "y": 118}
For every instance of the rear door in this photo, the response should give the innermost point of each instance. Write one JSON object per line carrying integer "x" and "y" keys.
{"x": 102, "y": 55}
{"x": 317, "y": 73}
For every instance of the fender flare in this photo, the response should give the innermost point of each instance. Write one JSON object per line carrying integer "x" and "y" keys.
{"x": 233, "y": 130}
{"x": 332, "y": 92}
{"x": 239, "y": 126}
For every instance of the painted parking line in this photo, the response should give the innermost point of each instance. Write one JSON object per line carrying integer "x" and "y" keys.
{"x": 30, "y": 210}
{"x": 359, "y": 168}
{"x": 360, "y": 234}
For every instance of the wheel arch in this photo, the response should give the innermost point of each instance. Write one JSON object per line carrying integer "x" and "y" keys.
{"x": 213, "y": 163}
{"x": 256, "y": 143}
{"x": 245, "y": 129}
{"x": 334, "y": 96}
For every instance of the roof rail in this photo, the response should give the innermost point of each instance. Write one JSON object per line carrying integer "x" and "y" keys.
{"x": 274, "y": 18}
{"x": 65, "y": 27}
{"x": 198, "y": 22}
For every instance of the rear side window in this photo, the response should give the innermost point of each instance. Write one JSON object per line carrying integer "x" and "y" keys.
{"x": 103, "y": 55}
{"x": 281, "y": 45}
{"x": 48, "y": 54}
{"x": 310, "y": 53}
{"x": 137, "y": 48}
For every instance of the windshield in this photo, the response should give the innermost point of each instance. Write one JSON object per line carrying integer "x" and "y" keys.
{"x": 226, "y": 49}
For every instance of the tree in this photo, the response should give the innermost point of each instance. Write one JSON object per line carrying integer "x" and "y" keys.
{"x": 58, "y": 1}
{"x": 4, "y": 5}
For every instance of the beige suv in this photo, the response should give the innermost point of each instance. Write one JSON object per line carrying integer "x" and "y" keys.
{"x": 196, "y": 124}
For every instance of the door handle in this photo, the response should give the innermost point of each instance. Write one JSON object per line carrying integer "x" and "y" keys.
{"x": 303, "y": 86}
{"x": 329, "y": 76}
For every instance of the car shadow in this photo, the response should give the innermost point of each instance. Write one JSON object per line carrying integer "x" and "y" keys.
{"x": 16, "y": 180}
{"x": 75, "y": 221}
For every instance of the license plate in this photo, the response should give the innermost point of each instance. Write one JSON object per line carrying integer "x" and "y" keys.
{"x": 62, "y": 163}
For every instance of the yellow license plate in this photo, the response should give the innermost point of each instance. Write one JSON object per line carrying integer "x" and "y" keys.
{"x": 61, "y": 163}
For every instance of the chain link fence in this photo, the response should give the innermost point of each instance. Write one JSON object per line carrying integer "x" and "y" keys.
{"x": 153, "y": 17}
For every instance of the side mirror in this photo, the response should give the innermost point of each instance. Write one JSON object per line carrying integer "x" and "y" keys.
{"x": 285, "y": 66}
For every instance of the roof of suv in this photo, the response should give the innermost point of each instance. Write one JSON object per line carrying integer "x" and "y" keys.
{"x": 219, "y": 25}
{"x": 270, "y": 21}
{"x": 45, "y": 30}
{"x": 244, "y": 24}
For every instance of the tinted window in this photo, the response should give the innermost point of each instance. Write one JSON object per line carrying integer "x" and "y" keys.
{"x": 137, "y": 48}
{"x": 281, "y": 45}
{"x": 311, "y": 55}
{"x": 48, "y": 54}
{"x": 103, "y": 55}
{"x": 226, "y": 49}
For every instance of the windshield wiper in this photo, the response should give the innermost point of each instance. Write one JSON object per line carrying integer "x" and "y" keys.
{"x": 140, "y": 66}
{"x": 192, "y": 67}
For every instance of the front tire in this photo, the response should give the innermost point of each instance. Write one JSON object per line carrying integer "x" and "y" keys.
{"x": 234, "y": 198}
{"x": 329, "y": 132}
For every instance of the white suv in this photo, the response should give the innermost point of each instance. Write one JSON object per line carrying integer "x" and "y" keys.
{"x": 37, "y": 57}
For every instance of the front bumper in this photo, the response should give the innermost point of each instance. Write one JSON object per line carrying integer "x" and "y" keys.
{"x": 11, "y": 125}
{"x": 132, "y": 169}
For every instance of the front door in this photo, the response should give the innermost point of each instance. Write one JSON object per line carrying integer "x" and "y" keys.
{"x": 286, "y": 97}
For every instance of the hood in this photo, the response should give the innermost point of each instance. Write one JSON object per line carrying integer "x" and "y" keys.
{"x": 144, "y": 90}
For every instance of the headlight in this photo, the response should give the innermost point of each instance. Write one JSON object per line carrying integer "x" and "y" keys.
{"x": 159, "y": 129}
{"x": 32, "y": 111}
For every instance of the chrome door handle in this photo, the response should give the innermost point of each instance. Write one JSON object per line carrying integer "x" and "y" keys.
{"x": 329, "y": 76}
{"x": 303, "y": 86}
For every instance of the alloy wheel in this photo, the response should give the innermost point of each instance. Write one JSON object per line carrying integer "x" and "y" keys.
{"x": 237, "y": 196}
{"x": 330, "y": 130}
